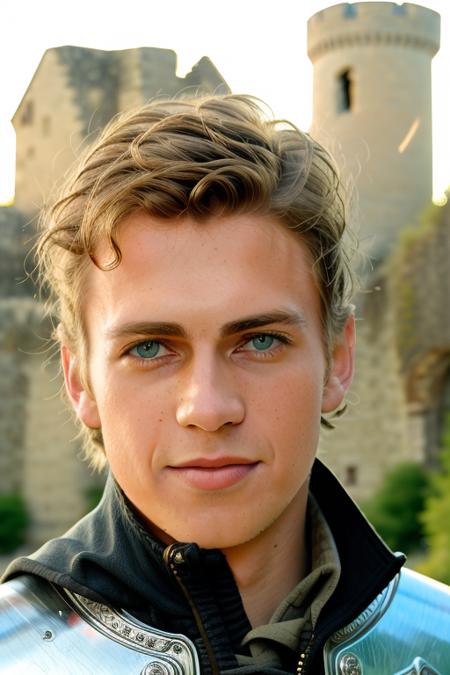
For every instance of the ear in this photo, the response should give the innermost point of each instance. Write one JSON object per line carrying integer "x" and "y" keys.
{"x": 81, "y": 398}
{"x": 341, "y": 368}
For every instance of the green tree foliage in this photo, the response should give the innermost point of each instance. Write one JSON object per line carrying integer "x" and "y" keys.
{"x": 395, "y": 509}
{"x": 13, "y": 522}
{"x": 436, "y": 517}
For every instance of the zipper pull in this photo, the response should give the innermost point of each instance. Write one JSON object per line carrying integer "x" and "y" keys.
{"x": 173, "y": 557}
{"x": 178, "y": 557}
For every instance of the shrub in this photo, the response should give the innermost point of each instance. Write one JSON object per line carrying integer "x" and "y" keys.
{"x": 13, "y": 522}
{"x": 395, "y": 509}
{"x": 436, "y": 517}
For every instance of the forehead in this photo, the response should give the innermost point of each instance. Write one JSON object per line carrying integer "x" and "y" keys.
{"x": 231, "y": 265}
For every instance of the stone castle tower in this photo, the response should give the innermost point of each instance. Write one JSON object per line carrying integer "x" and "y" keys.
{"x": 372, "y": 108}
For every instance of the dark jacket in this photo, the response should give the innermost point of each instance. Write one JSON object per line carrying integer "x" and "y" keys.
{"x": 109, "y": 557}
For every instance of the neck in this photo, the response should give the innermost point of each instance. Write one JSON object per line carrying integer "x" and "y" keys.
{"x": 268, "y": 567}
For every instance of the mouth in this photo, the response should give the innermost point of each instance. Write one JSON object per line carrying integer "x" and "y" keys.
{"x": 214, "y": 474}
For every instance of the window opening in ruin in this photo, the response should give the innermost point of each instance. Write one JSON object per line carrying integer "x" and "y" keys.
{"x": 28, "y": 113}
{"x": 399, "y": 9}
{"x": 351, "y": 475}
{"x": 345, "y": 91}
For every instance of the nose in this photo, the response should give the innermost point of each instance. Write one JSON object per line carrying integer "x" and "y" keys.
{"x": 209, "y": 398}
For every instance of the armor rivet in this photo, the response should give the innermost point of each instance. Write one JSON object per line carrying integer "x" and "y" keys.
{"x": 47, "y": 635}
{"x": 155, "y": 669}
{"x": 350, "y": 665}
{"x": 177, "y": 649}
{"x": 178, "y": 557}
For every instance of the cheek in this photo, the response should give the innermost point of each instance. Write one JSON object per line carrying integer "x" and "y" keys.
{"x": 291, "y": 413}
{"x": 298, "y": 395}
{"x": 127, "y": 412}
{"x": 136, "y": 413}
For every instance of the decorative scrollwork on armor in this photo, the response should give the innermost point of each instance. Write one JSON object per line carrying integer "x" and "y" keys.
{"x": 360, "y": 621}
{"x": 176, "y": 653}
{"x": 371, "y": 614}
{"x": 111, "y": 618}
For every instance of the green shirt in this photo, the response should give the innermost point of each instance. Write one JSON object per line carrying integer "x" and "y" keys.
{"x": 293, "y": 622}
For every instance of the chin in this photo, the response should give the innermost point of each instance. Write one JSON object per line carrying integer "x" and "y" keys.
{"x": 210, "y": 536}
{"x": 222, "y": 541}
{"x": 215, "y": 540}
{"x": 206, "y": 536}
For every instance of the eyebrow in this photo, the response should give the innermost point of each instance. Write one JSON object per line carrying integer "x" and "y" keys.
{"x": 260, "y": 320}
{"x": 292, "y": 318}
{"x": 146, "y": 328}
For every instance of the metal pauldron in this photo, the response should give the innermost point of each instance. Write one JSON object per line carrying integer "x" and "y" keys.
{"x": 45, "y": 630}
{"x": 405, "y": 631}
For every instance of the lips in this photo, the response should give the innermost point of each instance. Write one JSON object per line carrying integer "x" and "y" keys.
{"x": 214, "y": 474}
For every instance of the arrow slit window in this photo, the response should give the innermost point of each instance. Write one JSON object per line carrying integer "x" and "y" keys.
{"x": 345, "y": 91}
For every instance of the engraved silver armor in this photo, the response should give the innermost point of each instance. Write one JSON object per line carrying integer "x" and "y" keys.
{"x": 404, "y": 631}
{"x": 46, "y": 631}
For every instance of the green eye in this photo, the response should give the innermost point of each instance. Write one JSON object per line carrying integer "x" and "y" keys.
{"x": 146, "y": 350}
{"x": 262, "y": 342}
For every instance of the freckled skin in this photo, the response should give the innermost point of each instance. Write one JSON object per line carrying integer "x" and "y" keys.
{"x": 208, "y": 396}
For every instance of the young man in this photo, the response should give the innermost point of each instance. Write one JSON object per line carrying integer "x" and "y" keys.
{"x": 201, "y": 287}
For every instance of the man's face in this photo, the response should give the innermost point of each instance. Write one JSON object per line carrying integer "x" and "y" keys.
{"x": 207, "y": 371}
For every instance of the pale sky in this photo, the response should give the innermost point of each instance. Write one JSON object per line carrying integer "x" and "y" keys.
{"x": 259, "y": 46}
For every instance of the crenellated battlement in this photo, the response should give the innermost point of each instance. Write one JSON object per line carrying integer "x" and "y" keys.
{"x": 368, "y": 23}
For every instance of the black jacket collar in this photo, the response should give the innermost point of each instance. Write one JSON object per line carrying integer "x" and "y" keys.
{"x": 367, "y": 563}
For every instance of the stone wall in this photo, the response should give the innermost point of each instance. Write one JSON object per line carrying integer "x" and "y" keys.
{"x": 420, "y": 276}
{"x": 376, "y": 432}
{"x": 17, "y": 310}
{"x": 54, "y": 478}
{"x": 39, "y": 452}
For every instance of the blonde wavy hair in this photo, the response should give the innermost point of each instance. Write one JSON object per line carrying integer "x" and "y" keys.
{"x": 202, "y": 158}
